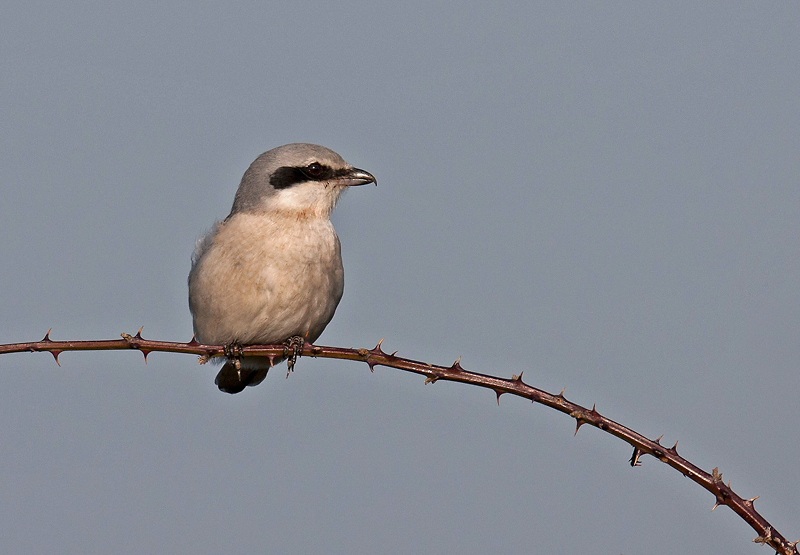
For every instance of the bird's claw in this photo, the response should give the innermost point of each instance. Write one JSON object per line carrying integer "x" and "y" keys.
{"x": 234, "y": 353}
{"x": 291, "y": 350}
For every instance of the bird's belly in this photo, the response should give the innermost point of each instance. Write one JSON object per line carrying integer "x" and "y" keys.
{"x": 263, "y": 292}
{"x": 300, "y": 301}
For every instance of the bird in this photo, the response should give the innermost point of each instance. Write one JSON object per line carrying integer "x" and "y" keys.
{"x": 271, "y": 271}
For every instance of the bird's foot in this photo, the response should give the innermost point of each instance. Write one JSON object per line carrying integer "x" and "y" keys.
{"x": 292, "y": 348}
{"x": 234, "y": 353}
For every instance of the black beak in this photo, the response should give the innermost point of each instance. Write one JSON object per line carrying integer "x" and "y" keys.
{"x": 355, "y": 176}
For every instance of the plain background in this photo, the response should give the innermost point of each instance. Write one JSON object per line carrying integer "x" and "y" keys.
{"x": 605, "y": 196}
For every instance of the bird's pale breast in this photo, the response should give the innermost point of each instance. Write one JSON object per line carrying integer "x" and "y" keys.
{"x": 264, "y": 279}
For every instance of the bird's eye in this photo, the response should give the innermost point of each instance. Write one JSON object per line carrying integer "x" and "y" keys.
{"x": 314, "y": 169}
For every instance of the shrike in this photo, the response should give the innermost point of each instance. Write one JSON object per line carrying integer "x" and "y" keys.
{"x": 271, "y": 272}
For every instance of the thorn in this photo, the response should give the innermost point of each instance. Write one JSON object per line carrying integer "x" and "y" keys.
{"x": 658, "y": 439}
{"x": 457, "y": 366}
{"x": 371, "y": 366}
{"x": 581, "y": 418}
{"x": 145, "y": 352}
{"x": 563, "y": 389}
{"x": 593, "y": 407}
{"x": 271, "y": 361}
{"x": 498, "y": 393}
{"x": 194, "y": 340}
{"x": 377, "y": 350}
{"x": 752, "y": 499}
{"x": 715, "y": 506}
{"x": 139, "y": 333}
{"x": 47, "y": 337}
{"x": 516, "y": 378}
{"x": 674, "y": 448}
{"x": 635, "y": 457}
{"x": 55, "y": 355}
{"x": 431, "y": 379}
{"x": 394, "y": 353}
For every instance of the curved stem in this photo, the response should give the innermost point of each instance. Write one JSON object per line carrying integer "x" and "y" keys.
{"x": 712, "y": 482}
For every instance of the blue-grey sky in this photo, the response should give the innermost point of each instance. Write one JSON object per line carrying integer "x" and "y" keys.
{"x": 605, "y": 196}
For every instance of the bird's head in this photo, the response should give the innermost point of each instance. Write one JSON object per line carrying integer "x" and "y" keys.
{"x": 297, "y": 179}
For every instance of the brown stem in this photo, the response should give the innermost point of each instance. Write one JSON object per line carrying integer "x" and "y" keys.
{"x": 723, "y": 493}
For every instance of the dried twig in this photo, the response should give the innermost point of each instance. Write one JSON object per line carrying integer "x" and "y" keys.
{"x": 722, "y": 492}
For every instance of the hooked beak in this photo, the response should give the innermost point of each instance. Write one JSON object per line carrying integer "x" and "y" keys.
{"x": 355, "y": 176}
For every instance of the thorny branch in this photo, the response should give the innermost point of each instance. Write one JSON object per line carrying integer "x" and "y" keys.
{"x": 722, "y": 492}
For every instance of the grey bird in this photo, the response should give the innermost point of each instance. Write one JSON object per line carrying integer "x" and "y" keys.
{"x": 271, "y": 272}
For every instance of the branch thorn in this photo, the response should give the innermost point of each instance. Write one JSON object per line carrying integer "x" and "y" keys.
{"x": 457, "y": 366}
{"x": 139, "y": 333}
{"x": 377, "y": 350}
{"x": 658, "y": 439}
{"x": 635, "y": 457}
{"x": 145, "y": 353}
{"x": 194, "y": 340}
{"x": 516, "y": 378}
{"x": 47, "y": 337}
{"x": 498, "y": 393}
{"x": 55, "y": 355}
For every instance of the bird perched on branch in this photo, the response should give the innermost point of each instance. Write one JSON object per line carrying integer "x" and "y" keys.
{"x": 271, "y": 272}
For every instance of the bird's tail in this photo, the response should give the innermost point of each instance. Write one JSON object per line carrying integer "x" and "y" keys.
{"x": 233, "y": 380}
